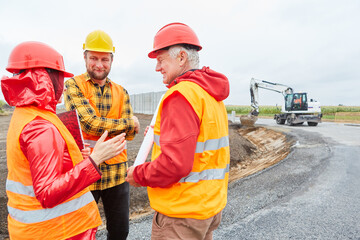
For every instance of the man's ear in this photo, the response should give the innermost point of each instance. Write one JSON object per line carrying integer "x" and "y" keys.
{"x": 182, "y": 58}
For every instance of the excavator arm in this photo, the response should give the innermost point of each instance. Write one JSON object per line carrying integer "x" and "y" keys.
{"x": 255, "y": 84}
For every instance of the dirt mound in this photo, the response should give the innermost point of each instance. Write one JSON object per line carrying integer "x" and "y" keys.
{"x": 253, "y": 149}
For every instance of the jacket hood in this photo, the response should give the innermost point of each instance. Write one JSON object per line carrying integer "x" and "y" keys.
{"x": 214, "y": 83}
{"x": 31, "y": 87}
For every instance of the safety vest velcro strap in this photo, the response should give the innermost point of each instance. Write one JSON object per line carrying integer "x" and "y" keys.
{"x": 19, "y": 188}
{"x": 92, "y": 143}
{"x": 45, "y": 214}
{"x": 208, "y": 174}
{"x": 208, "y": 145}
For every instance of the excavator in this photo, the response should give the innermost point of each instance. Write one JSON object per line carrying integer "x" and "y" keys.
{"x": 296, "y": 109}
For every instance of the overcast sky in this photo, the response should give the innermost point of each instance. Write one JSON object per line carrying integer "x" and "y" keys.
{"x": 309, "y": 45}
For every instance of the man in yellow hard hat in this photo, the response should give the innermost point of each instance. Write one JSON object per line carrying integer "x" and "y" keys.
{"x": 188, "y": 174}
{"x": 104, "y": 105}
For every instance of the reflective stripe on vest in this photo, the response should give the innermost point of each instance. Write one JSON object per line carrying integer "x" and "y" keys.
{"x": 19, "y": 188}
{"x": 209, "y": 174}
{"x": 45, "y": 214}
{"x": 208, "y": 145}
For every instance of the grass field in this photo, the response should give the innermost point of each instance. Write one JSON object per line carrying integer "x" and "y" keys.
{"x": 350, "y": 113}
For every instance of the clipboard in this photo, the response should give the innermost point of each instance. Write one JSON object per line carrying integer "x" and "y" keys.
{"x": 71, "y": 121}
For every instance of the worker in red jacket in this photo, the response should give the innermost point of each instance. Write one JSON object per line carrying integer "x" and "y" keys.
{"x": 48, "y": 177}
{"x": 187, "y": 177}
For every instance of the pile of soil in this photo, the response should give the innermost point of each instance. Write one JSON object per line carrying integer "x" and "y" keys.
{"x": 252, "y": 149}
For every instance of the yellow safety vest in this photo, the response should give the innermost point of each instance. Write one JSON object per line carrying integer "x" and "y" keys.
{"x": 203, "y": 193}
{"x": 27, "y": 219}
{"x": 117, "y": 94}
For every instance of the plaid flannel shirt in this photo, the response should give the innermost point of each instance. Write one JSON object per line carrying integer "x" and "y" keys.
{"x": 114, "y": 174}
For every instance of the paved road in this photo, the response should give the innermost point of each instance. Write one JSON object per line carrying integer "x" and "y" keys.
{"x": 312, "y": 194}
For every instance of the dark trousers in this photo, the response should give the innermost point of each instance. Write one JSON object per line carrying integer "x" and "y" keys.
{"x": 116, "y": 207}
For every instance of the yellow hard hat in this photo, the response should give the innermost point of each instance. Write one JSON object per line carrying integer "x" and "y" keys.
{"x": 98, "y": 41}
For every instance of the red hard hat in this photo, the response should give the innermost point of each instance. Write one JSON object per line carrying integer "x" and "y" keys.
{"x": 34, "y": 55}
{"x": 172, "y": 34}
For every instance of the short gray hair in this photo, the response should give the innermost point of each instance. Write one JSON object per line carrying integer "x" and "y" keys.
{"x": 192, "y": 54}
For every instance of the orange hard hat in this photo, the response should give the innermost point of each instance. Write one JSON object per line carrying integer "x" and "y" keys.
{"x": 172, "y": 34}
{"x": 28, "y": 55}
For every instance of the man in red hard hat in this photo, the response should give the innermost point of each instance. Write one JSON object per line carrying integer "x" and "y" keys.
{"x": 188, "y": 176}
{"x": 48, "y": 176}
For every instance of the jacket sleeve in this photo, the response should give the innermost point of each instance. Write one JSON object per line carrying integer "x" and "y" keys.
{"x": 179, "y": 132}
{"x": 54, "y": 177}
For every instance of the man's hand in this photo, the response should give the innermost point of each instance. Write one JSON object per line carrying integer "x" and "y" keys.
{"x": 130, "y": 178}
{"x": 147, "y": 129}
{"x": 136, "y": 123}
{"x": 104, "y": 150}
{"x": 86, "y": 151}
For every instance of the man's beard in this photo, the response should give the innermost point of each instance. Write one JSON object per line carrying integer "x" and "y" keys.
{"x": 95, "y": 76}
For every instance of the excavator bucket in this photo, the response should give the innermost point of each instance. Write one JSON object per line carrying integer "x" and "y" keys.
{"x": 248, "y": 120}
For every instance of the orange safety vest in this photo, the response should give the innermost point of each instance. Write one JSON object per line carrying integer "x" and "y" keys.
{"x": 27, "y": 219}
{"x": 203, "y": 193}
{"x": 117, "y": 94}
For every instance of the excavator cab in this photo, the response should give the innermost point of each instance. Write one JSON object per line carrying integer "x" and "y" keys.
{"x": 296, "y": 102}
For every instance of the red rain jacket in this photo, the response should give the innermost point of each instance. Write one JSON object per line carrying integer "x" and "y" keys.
{"x": 54, "y": 177}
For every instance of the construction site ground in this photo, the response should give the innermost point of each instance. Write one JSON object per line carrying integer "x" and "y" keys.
{"x": 252, "y": 149}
